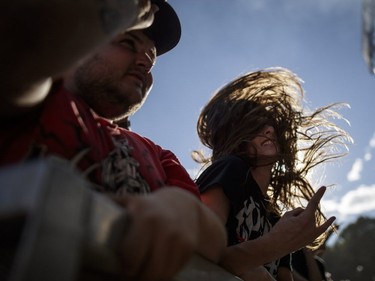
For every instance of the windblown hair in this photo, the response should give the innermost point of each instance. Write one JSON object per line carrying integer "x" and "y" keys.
{"x": 274, "y": 96}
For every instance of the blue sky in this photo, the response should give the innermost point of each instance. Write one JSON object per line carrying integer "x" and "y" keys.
{"x": 320, "y": 40}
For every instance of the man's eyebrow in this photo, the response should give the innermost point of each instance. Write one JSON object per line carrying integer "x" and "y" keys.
{"x": 136, "y": 38}
{"x": 140, "y": 41}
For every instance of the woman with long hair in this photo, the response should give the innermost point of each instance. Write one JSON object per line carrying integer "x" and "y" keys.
{"x": 264, "y": 145}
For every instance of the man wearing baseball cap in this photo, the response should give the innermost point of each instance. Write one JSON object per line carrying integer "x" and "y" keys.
{"x": 74, "y": 70}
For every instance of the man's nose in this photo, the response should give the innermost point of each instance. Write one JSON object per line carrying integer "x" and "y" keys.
{"x": 144, "y": 62}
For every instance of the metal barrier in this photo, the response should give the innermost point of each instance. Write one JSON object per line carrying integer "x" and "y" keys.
{"x": 55, "y": 228}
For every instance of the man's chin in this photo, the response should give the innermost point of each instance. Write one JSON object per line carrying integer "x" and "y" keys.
{"x": 111, "y": 112}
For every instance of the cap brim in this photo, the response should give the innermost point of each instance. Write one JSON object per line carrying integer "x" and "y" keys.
{"x": 165, "y": 31}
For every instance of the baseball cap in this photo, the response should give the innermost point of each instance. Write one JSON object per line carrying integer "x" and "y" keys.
{"x": 165, "y": 30}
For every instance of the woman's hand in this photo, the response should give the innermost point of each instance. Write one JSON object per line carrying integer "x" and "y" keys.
{"x": 298, "y": 228}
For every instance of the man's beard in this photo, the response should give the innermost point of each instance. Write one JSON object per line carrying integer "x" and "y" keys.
{"x": 101, "y": 94}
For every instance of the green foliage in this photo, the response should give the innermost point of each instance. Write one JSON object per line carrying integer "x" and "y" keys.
{"x": 352, "y": 257}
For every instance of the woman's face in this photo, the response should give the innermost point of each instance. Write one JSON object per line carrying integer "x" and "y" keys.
{"x": 265, "y": 143}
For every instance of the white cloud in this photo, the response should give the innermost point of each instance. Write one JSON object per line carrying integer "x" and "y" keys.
{"x": 330, "y": 206}
{"x": 355, "y": 173}
{"x": 353, "y": 203}
{"x": 372, "y": 141}
{"x": 358, "y": 201}
{"x": 368, "y": 156}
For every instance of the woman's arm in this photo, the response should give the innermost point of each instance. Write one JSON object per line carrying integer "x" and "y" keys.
{"x": 217, "y": 201}
{"x": 294, "y": 230}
